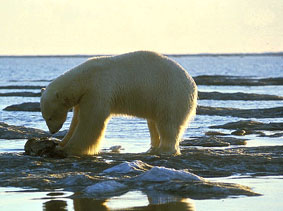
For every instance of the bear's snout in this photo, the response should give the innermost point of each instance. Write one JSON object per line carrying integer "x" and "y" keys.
{"x": 53, "y": 130}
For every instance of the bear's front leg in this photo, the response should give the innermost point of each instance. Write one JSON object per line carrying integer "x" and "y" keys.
{"x": 154, "y": 136}
{"x": 73, "y": 126}
{"x": 93, "y": 119}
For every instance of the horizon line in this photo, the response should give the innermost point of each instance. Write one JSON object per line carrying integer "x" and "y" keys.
{"x": 278, "y": 53}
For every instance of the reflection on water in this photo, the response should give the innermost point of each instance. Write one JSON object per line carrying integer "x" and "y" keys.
{"x": 55, "y": 205}
{"x": 81, "y": 204}
{"x": 13, "y": 198}
{"x": 168, "y": 202}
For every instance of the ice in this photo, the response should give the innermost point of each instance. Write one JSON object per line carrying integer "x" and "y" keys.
{"x": 76, "y": 180}
{"x": 162, "y": 174}
{"x": 116, "y": 148}
{"x": 105, "y": 187}
{"x": 128, "y": 167}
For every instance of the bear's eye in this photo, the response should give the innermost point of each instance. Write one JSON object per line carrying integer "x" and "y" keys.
{"x": 49, "y": 119}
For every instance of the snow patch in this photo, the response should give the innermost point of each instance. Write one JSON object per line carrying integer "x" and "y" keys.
{"x": 128, "y": 167}
{"x": 116, "y": 148}
{"x": 162, "y": 174}
{"x": 104, "y": 188}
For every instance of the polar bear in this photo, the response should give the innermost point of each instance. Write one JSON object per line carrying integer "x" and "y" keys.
{"x": 141, "y": 84}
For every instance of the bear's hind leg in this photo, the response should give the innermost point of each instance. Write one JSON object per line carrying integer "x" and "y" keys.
{"x": 169, "y": 138}
{"x": 154, "y": 136}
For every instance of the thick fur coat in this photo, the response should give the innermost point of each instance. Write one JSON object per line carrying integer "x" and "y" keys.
{"x": 142, "y": 84}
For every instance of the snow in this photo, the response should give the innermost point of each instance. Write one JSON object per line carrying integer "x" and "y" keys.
{"x": 162, "y": 174}
{"x": 127, "y": 167}
{"x": 104, "y": 188}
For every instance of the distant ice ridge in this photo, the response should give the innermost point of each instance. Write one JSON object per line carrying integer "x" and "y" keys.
{"x": 128, "y": 167}
{"x": 105, "y": 187}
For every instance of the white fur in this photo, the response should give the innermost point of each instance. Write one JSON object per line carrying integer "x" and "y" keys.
{"x": 142, "y": 84}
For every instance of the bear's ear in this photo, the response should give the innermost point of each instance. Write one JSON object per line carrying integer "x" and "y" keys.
{"x": 42, "y": 90}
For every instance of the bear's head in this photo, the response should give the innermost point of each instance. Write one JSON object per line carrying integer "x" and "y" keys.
{"x": 53, "y": 109}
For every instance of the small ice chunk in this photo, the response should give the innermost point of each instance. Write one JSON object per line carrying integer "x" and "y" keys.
{"x": 116, "y": 148}
{"x": 162, "y": 174}
{"x": 104, "y": 188}
{"x": 128, "y": 167}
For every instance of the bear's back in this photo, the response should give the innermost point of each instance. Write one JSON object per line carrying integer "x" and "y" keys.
{"x": 145, "y": 81}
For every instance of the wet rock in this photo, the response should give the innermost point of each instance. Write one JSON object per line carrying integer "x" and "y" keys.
{"x": 200, "y": 190}
{"x": 236, "y": 80}
{"x": 21, "y": 87}
{"x": 275, "y": 135}
{"x": 254, "y": 160}
{"x": 213, "y": 141}
{"x": 272, "y": 81}
{"x": 239, "y": 132}
{"x": 215, "y": 133}
{"x": 44, "y": 147}
{"x": 33, "y": 106}
{"x": 20, "y": 132}
{"x": 30, "y": 106}
{"x": 236, "y": 96}
{"x": 21, "y": 94}
{"x": 244, "y": 113}
{"x": 79, "y": 179}
{"x": 205, "y": 142}
{"x": 249, "y": 125}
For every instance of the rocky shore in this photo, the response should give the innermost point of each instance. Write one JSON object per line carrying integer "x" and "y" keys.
{"x": 20, "y": 132}
{"x": 214, "y": 154}
{"x": 276, "y": 112}
{"x": 237, "y": 96}
{"x": 180, "y": 175}
{"x": 236, "y": 80}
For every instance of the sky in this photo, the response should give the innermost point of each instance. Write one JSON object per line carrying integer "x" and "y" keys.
{"x": 54, "y": 27}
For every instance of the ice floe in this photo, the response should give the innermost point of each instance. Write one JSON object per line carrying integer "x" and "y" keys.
{"x": 104, "y": 188}
{"x": 128, "y": 167}
{"x": 162, "y": 174}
